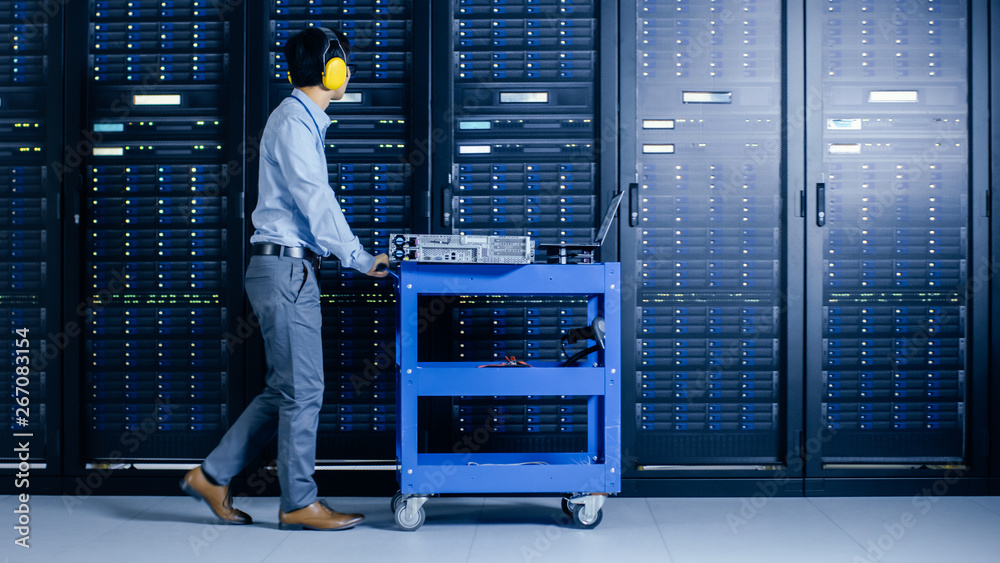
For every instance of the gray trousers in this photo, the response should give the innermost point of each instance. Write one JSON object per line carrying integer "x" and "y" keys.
{"x": 284, "y": 293}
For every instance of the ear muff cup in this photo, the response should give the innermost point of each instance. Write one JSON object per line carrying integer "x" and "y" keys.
{"x": 335, "y": 73}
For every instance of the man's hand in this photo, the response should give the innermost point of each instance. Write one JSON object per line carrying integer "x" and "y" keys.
{"x": 380, "y": 259}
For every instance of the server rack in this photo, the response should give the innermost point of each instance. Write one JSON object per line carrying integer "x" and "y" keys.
{"x": 520, "y": 152}
{"x": 30, "y": 248}
{"x": 524, "y": 121}
{"x": 704, "y": 87}
{"x": 158, "y": 192}
{"x": 896, "y": 184}
{"x": 375, "y": 167}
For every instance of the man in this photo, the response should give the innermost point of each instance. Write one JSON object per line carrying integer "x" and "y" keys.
{"x": 298, "y": 220}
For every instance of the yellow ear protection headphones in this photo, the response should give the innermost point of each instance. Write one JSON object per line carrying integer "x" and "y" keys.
{"x": 335, "y": 67}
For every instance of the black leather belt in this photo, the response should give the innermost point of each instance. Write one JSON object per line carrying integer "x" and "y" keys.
{"x": 271, "y": 249}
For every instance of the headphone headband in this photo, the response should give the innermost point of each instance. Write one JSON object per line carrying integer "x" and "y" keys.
{"x": 333, "y": 43}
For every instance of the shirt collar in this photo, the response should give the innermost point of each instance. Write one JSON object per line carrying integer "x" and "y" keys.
{"x": 321, "y": 117}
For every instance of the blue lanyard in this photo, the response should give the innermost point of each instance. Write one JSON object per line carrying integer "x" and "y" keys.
{"x": 310, "y": 117}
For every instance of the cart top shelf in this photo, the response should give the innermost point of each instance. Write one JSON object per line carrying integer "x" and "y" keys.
{"x": 528, "y": 279}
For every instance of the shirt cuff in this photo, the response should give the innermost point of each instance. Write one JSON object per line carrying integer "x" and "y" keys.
{"x": 364, "y": 262}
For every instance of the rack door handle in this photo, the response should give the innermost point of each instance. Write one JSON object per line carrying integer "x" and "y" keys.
{"x": 446, "y": 207}
{"x": 820, "y": 204}
{"x": 633, "y": 205}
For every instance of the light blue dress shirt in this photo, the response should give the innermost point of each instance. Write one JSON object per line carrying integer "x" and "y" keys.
{"x": 296, "y": 205}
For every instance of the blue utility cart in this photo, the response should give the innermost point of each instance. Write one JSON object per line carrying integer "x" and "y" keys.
{"x": 585, "y": 478}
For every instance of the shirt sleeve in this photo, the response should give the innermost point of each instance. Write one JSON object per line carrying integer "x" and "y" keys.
{"x": 304, "y": 170}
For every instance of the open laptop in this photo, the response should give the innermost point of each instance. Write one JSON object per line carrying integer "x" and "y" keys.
{"x": 583, "y": 253}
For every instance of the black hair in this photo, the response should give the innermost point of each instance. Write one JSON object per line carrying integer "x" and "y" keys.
{"x": 306, "y": 51}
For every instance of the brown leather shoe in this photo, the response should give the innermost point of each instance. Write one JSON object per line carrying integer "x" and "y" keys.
{"x": 317, "y": 516}
{"x": 217, "y": 496}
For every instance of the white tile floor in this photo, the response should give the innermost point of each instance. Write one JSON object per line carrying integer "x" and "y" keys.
{"x": 516, "y": 529}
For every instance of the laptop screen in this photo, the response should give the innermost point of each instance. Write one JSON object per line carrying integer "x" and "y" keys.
{"x": 609, "y": 217}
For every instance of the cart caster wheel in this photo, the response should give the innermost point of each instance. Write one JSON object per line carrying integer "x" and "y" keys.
{"x": 409, "y": 524}
{"x": 397, "y": 499}
{"x": 566, "y": 507}
{"x": 580, "y": 522}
